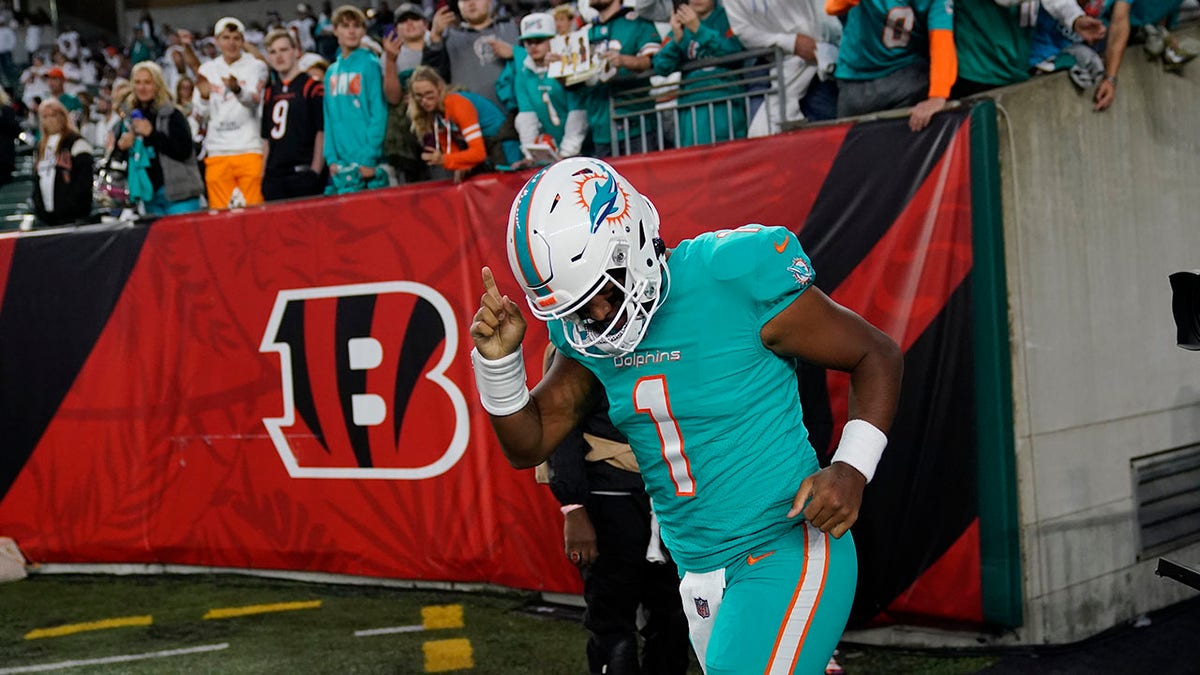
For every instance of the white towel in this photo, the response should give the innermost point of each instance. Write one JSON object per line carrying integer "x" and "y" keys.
{"x": 654, "y": 552}
{"x": 701, "y": 595}
{"x": 827, "y": 55}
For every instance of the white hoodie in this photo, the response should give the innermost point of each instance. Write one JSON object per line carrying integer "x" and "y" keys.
{"x": 233, "y": 120}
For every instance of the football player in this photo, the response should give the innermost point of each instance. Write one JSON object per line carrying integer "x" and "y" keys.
{"x": 696, "y": 348}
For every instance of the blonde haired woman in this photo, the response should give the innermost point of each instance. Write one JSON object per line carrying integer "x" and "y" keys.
{"x": 172, "y": 182}
{"x": 454, "y": 127}
{"x": 63, "y": 192}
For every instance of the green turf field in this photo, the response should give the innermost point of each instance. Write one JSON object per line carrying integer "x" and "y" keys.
{"x": 307, "y": 628}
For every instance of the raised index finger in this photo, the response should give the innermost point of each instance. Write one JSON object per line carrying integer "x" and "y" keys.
{"x": 489, "y": 283}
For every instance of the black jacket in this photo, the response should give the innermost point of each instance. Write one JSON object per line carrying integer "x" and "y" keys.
{"x": 10, "y": 128}
{"x": 572, "y": 477}
{"x": 176, "y": 143}
{"x": 72, "y": 186}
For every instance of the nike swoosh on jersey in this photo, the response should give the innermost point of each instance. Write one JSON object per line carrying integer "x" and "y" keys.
{"x": 781, "y": 246}
{"x": 751, "y": 559}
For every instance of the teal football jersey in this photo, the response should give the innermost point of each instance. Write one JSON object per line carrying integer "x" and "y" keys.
{"x": 713, "y": 416}
{"x": 545, "y": 96}
{"x": 883, "y": 36}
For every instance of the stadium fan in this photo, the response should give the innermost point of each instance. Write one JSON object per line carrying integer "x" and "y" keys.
{"x": 1152, "y": 22}
{"x": 156, "y": 142}
{"x": 625, "y": 45}
{"x": 544, "y": 106}
{"x": 33, "y": 81}
{"x": 457, "y": 129}
{"x": 469, "y": 51}
{"x": 566, "y": 19}
{"x": 681, "y": 340}
{"x": 808, "y": 39}
{"x": 412, "y": 32}
{"x": 315, "y": 65}
{"x": 895, "y": 54}
{"x": 62, "y": 192}
{"x": 355, "y": 112}
{"x": 1122, "y": 16}
{"x": 185, "y": 91}
{"x": 303, "y": 27}
{"x": 700, "y": 30}
{"x": 993, "y": 39}
{"x": 8, "y": 44}
{"x": 293, "y": 124}
{"x": 327, "y": 44}
{"x": 228, "y": 98}
{"x": 177, "y": 67}
{"x": 403, "y": 49}
{"x": 10, "y": 129}
{"x": 55, "y": 79}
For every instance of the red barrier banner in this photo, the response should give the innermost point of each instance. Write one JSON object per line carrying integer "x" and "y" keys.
{"x": 289, "y": 387}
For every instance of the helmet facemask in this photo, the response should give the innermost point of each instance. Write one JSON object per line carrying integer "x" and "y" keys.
{"x": 635, "y": 305}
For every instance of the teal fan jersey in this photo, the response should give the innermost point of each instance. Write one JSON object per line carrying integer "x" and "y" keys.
{"x": 713, "y": 416}
{"x": 883, "y": 36}
{"x": 629, "y": 35}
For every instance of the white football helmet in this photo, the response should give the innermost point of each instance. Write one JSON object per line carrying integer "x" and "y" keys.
{"x": 574, "y": 227}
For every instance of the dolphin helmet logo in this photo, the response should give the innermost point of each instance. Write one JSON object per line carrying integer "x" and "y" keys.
{"x": 607, "y": 204}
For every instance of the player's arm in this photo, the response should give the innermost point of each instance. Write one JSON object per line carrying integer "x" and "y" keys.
{"x": 815, "y": 328}
{"x": 528, "y": 424}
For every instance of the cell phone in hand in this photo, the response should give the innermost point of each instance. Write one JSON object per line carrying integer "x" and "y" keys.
{"x": 136, "y": 114}
{"x": 676, "y": 4}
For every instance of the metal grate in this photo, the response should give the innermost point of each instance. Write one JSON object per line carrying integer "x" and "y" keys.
{"x": 1166, "y": 491}
{"x": 640, "y": 124}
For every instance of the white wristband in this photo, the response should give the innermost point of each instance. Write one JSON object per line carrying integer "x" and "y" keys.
{"x": 501, "y": 382}
{"x": 861, "y": 447}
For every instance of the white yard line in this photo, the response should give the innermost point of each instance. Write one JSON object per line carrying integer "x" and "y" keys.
{"x": 385, "y": 631}
{"x": 115, "y": 659}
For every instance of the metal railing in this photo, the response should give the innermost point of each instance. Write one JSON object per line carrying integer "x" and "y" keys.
{"x": 636, "y": 110}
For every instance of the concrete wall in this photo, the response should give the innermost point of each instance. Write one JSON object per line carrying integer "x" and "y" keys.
{"x": 1099, "y": 208}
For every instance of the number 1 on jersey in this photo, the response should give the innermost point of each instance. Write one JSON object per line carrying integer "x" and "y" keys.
{"x": 650, "y": 397}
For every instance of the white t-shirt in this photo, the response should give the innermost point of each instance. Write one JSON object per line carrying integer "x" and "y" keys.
{"x": 8, "y": 37}
{"x": 233, "y": 122}
{"x": 68, "y": 44}
{"x": 45, "y": 169}
{"x": 33, "y": 38}
{"x": 304, "y": 29}
{"x": 35, "y": 85}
